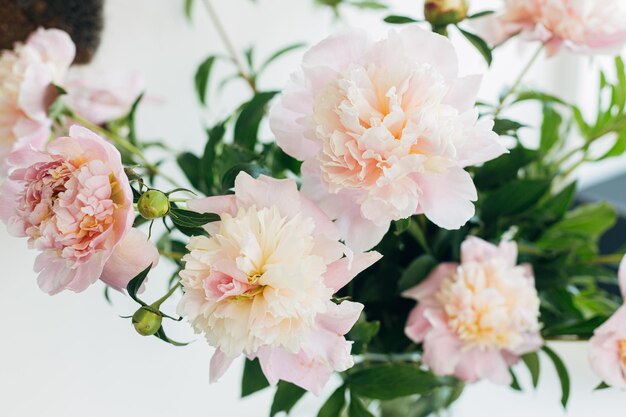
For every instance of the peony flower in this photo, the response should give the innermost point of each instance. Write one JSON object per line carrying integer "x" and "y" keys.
{"x": 26, "y": 77}
{"x": 261, "y": 284}
{"x": 104, "y": 100}
{"x": 476, "y": 318}
{"x": 584, "y": 26}
{"x": 608, "y": 345}
{"x": 385, "y": 130}
{"x": 74, "y": 204}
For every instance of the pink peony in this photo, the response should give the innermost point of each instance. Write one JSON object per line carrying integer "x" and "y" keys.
{"x": 102, "y": 101}
{"x": 261, "y": 284}
{"x": 585, "y": 26}
{"x": 385, "y": 130}
{"x": 74, "y": 204}
{"x": 608, "y": 345}
{"x": 26, "y": 77}
{"x": 476, "y": 318}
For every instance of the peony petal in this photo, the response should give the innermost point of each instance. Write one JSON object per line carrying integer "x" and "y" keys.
{"x": 134, "y": 253}
{"x": 463, "y": 92}
{"x": 220, "y": 362}
{"x": 447, "y": 197}
{"x": 432, "y": 283}
{"x": 341, "y": 272}
{"x": 218, "y": 205}
{"x": 339, "y": 318}
{"x": 622, "y": 277}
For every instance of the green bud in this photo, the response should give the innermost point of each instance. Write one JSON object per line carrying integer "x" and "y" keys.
{"x": 153, "y": 204}
{"x": 441, "y": 13}
{"x": 147, "y": 321}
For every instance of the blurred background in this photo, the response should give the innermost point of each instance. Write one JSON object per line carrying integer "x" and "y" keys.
{"x": 72, "y": 356}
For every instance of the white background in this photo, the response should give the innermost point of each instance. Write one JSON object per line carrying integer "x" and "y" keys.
{"x": 72, "y": 356}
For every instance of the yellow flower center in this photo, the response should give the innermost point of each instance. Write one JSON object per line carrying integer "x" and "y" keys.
{"x": 622, "y": 351}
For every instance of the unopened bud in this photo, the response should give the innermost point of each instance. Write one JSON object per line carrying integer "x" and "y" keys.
{"x": 441, "y": 13}
{"x": 147, "y": 321}
{"x": 153, "y": 204}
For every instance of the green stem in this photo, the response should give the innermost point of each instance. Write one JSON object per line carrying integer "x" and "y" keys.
{"x": 123, "y": 144}
{"x": 160, "y": 301}
{"x": 416, "y": 231}
{"x": 234, "y": 56}
{"x": 608, "y": 259}
{"x": 517, "y": 82}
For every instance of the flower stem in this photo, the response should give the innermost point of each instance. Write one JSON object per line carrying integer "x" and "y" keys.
{"x": 123, "y": 144}
{"x": 161, "y": 300}
{"x": 228, "y": 44}
{"x": 517, "y": 82}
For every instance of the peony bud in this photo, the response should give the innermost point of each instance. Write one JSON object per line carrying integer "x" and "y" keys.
{"x": 147, "y": 321}
{"x": 153, "y": 204}
{"x": 441, "y": 13}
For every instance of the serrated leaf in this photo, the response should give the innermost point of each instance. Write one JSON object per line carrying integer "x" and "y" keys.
{"x": 416, "y": 272}
{"x": 287, "y": 395}
{"x": 134, "y": 285}
{"x": 202, "y": 77}
{"x": 253, "y": 379}
{"x": 247, "y": 125}
{"x": 561, "y": 371}
{"x": 389, "y": 381}
{"x": 335, "y": 404}
{"x": 534, "y": 367}
{"x": 479, "y": 44}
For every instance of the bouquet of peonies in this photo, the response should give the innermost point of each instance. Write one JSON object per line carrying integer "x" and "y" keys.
{"x": 395, "y": 232}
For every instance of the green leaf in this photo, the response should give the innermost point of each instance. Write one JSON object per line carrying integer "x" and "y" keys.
{"x": 515, "y": 385}
{"x": 207, "y": 171}
{"x": 534, "y": 367}
{"x": 357, "y": 409}
{"x": 134, "y": 285}
{"x": 479, "y": 44}
{"x": 602, "y": 386}
{"x": 538, "y": 96}
{"x": 504, "y": 169}
{"x": 160, "y": 334}
{"x": 507, "y": 127}
{"x": 389, "y": 381}
{"x": 335, "y": 403}
{"x": 254, "y": 170}
{"x": 191, "y": 166}
{"x": 188, "y": 218}
{"x": 362, "y": 333}
{"x": 368, "y": 4}
{"x": 558, "y": 205}
{"x": 550, "y": 128}
{"x": 416, "y": 272}
{"x": 253, "y": 379}
{"x": 399, "y": 20}
{"x": 402, "y": 225}
{"x": 480, "y": 14}
{"x": 618, "y": 148}
{"x": 280, "y": 53}
{"x": 583, "y": 328}
{"x": 203, "y": 74}
{"x": 514, "y": 198}
{"x": 561, "y": 371}
{"x": 287, "y": 395}
{"x": 247, "y": 125}
{"x": 188, "y": 9}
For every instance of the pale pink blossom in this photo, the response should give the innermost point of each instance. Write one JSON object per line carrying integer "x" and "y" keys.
{"x": 102, "y": 100}
{"x": 608, "y": 345}
{"x": 385, "y": 130}
{"x": 261, "y": 284}
{"x": 26, "y": 77}
{"x": 476, "y": 318}
{"x": 585, "y": 26}
{"x": 74, "y": 203}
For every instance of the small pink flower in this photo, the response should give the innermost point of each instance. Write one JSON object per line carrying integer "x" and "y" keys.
{"x": 261, "y": 284}
{"x": 74, "y": 204}
{"x": 385, "y": 130}
{"x": 608, "y": 345}
{"x": 102, "y": 101}
{"x": 585, "y": 26}
{"x": 26, "y": 77}
{"x": 476, "y": 318}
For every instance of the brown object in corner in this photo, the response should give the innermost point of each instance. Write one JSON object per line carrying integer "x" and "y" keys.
{"x": 82, "y": 19}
